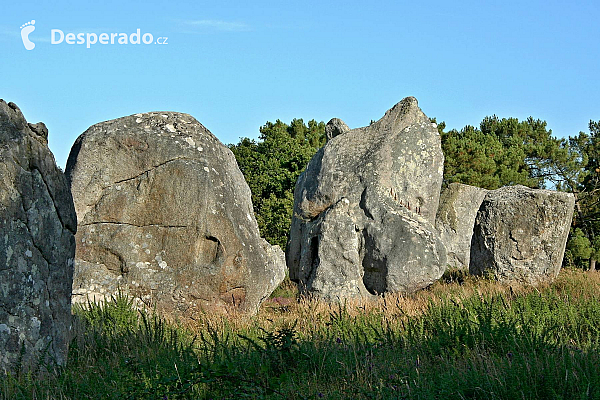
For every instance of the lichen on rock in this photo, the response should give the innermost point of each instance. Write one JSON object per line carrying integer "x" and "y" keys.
{"x": 520, "y": 234}
{"x": 37, "y": 246}
{"x": 455, "y": 219}
{"x": 166, "y": 215}
{"x": 365, "y": 206}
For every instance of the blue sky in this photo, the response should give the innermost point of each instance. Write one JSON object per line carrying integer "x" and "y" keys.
{"x": 236, "y": 65}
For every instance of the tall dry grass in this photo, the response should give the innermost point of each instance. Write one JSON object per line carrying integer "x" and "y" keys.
{"x": 464, "y": 337}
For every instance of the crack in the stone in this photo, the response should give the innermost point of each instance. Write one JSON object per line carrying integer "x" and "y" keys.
{"x": 362, "y": 204}
{"x": 51, "y": 198}
{"x": 26, "y": 212}
{"x": 511, "y": 237}
{"x": 155, "y": 167}
{"x": 33, "y": 242}
{"x": 134, "y": 225}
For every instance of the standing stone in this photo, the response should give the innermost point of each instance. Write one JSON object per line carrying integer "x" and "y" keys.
{"x": 335, "y": 127}
{"x": 165, "y": 214}
{"x": 455, "y": 219}
{"x": 521, "y": 234}
{"x": 364, "y": 209}
{"x": 37, "y": 246}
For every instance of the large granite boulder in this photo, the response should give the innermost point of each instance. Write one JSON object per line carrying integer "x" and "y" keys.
{"x": 520, "y": 234}
{"x": 165, "y": 214}
{"x": 335, "y": 127}
{"x": 455, "y": 219}
{"x": 364, "y": 209}
{"x": 37, "y": 246}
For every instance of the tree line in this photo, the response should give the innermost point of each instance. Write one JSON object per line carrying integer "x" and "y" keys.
{"x": 499, "y": 152}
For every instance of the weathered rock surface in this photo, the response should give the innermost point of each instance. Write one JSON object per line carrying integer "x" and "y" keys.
{"x": 165, "y": 213}
{"x": 521, "y": 233}
{"x": 37, "y": 246}
{"x": 335, "y": 127}
{"x": 455, "y": 219}
{"x": 364, "y": 210}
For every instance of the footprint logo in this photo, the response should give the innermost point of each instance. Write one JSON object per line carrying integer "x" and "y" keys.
{"x": 26, "y": 29}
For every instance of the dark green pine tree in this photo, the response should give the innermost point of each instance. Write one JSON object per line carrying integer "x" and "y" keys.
{"x": 578, "y": 171}
{"x": 500, "y": 152}
{"x": 272, "y": 165}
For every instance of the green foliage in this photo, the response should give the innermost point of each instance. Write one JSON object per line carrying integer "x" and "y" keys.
{"x": 507, "y": 151}
{"x": 470, "y": 158}
{"x": 578, "y": 247}
{"x": 577, "y": 170}
{"x": 121, "y": 353}
{"x": 113, "y": 317}
{"x": 540, "y": 344}
{"x": 279, "y": 348}
{"x": 500, "y": 152}
{"x": 272, "y": 166}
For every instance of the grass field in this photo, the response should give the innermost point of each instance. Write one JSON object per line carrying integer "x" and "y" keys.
{"x": 463, "y": 338}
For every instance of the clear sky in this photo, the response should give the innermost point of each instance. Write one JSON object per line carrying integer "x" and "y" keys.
{"x": 235, "y": 65}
